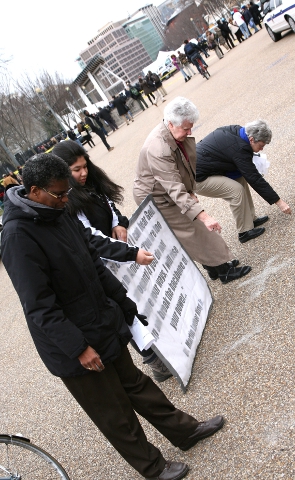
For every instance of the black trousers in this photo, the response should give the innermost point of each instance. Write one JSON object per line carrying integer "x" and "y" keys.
{"x": 100, "y": 133}
{"x": 112, "y": 124}
{"x": 111, "y": 398}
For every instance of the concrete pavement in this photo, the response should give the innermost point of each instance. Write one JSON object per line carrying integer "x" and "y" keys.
{"x": 244, "y": 367}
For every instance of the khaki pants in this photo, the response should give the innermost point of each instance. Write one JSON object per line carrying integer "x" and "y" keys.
{"x": 236, "y": 193}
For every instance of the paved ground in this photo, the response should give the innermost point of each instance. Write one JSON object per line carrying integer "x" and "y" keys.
{"x": 245, "y": 364}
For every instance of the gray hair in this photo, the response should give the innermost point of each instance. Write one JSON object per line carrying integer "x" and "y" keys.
{"x": 179, "y": 110}
{"x": 259, "y": 130}
{"x": 41, "y": 170}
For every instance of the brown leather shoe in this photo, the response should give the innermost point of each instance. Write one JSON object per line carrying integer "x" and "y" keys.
{"x": 203, "y": 430}
{"x": 172, "y": 471}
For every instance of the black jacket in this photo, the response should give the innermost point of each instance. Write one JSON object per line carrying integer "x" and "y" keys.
{"x": 90, "y": 121}
{"x": 224, "y": 151}
{"x": 69, "y": 298}
{"x": 120, "y": 104}
{"x": 101, "y": 218}
{"x": 105, "y": 115}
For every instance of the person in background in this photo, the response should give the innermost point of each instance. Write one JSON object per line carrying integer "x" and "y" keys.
{"x": 193, "y": 53}
{"x": 166, "y": 170}
{"x": 255, "y": 12}
{"x": 235, "y": 30}
{"x": 213, "y": 44}
{"x": 89, "y": 121}
{"x": 226, "y": 33}
{"x": 185, "y": 64}
{"x": 249, "y": 19}
{"x": 158, "y": 83}
{"x": 134, "y": 92}
{"x": 9, "y": 181}
{"x": 85, "y": 134}
{"x": 105, "y": 114}
{"x": 240, "y": 22}
{"x": 147, "y": 90}
{"x": 178, "y": 65}
{"x": 123, "y": 111}
{"x": 73, "y": 136}
{"x": 202, "y": 43}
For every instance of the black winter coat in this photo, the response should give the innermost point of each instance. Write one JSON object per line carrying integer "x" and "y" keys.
{"x": 105, "y": 115}
{"x": 100, "y": 218}
{"x": 120, "y": 104}
{"x": 69, "y": 298}
{"x": 224, "y": 151}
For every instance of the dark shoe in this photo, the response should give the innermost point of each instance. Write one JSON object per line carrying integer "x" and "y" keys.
{"x": 159, "y": 369}
{"x": 255, "y": 232}
{"x": 213, "y": 273}
{"x": 260, "y": 220}
{"x": 185, "y": 80}
{"x": 234, "y": 263}
{"x": 172, "y": 471}
{"x": 203, "y": 430}
{"x": 234, "y": 273}
{"x": 110, "y": 149}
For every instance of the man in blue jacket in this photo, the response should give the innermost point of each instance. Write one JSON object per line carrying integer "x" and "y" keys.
{"x": 78, "y": 315}
{"x": 225, "y": 168}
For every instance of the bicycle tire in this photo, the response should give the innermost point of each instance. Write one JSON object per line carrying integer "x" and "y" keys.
{"x": 27, "y": 461}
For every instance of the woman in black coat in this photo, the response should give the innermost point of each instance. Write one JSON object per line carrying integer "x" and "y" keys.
{"x": 226, "y": 33}
{"x": 92, "y": 201}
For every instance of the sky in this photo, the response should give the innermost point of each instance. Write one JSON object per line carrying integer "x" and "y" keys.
{"x": 49, "y": 35}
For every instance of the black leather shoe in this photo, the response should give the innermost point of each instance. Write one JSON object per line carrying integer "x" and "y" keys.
{"x": 234, "y": 273}
{"x": 212, "y": 271}
{"x": 255, "y": 232}
{"x": 234, "y": 263}
{"x": 203, "y": 430}
{"x": 172, "y": 471}
{"x": 260, "y": 220}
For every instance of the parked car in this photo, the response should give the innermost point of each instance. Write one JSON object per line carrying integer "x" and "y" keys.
{"x": 281, "y": 17}
{"x": 166, "y": 70}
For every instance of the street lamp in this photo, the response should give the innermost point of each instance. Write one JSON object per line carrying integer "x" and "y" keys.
{"x": 75, "y": 112}
{"x": 42, "y": 96}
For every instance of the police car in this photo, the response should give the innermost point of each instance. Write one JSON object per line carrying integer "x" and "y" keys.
{"x": 280, "y": 17}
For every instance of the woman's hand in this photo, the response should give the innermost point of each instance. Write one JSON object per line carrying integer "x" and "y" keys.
{"x": 209, "y": 222}
{"x": 143, "y": 257}
{"x": 119, "y": 233}
{"x": 284, "y": 207}
{"x": 90, "y": 360}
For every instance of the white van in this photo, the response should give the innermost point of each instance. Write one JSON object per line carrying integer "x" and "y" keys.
{"x": 280, "y": 17}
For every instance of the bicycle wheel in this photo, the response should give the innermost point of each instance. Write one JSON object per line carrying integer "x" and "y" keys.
{"x": 21, "y": 460}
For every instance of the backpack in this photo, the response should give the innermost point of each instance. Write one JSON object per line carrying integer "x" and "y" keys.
{"x": 134, "y": 91}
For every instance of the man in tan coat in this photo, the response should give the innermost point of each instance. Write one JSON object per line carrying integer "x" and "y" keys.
{"x": 166, "y": 169}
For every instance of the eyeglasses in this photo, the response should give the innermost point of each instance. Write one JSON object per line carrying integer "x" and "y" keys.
{"x": 58, "y": 196}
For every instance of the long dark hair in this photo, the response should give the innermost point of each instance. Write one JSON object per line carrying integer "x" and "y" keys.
{"x": 97, "y": 180}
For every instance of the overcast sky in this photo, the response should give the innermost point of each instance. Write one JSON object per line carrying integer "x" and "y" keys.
{"x": 40, "y": 35}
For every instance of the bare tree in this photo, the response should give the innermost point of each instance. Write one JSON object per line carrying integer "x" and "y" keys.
{"x": 17, "y": 129}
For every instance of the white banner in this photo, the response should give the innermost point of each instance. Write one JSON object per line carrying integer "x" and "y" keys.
{"x": 171, "y": 291}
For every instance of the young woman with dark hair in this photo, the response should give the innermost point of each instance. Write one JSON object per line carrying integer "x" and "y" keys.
{"x": 92, "y": 200}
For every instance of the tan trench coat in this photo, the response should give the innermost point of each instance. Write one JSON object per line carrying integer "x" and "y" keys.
{"x": 164, "y": 172}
